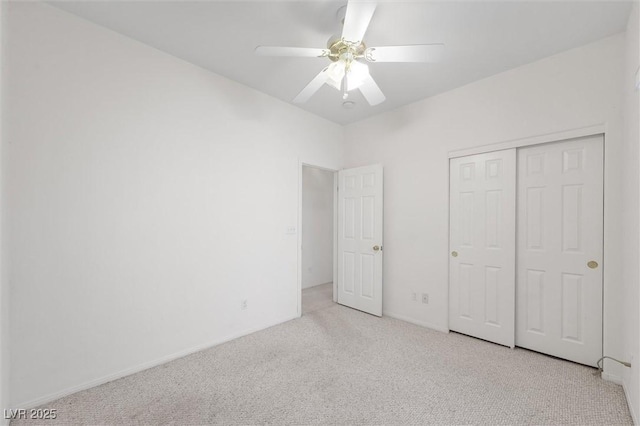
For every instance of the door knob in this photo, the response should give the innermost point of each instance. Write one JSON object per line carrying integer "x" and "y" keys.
{"x": 454, "y": 253}
{"x": 376, "y": 248}
{"x": 592, "y": 264}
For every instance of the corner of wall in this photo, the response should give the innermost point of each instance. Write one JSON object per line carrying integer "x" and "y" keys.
{"x": 630, "y": 403}
{"x": 631, "y": 213}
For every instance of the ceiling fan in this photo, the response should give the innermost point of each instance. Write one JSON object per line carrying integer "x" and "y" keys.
{"x": 349, "y": 56}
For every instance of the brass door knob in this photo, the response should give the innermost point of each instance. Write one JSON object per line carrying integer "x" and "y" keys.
{"x": 454, "y": 253}
{"x": 592, "y": 264}
{"x": 376, "y": 248}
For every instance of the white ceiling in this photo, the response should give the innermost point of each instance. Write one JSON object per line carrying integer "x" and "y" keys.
{"x": 482, "y": 38}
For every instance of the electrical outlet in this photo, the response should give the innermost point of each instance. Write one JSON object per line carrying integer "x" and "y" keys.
{"x": 425, "y": 298}
{"x": 243, "y": 304}
{"x": 414, "y": 297}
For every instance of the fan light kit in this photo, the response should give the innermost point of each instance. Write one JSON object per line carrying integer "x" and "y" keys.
{"x": 349, "y": 56}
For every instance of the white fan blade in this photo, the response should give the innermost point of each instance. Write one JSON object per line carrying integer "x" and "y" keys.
{"x": 356, "y": 20}
{"x": 411, "y": 53}
{"x": 311, "y": 88}
{"x": 371, "y": 91}
{"x": 300, "y": 52}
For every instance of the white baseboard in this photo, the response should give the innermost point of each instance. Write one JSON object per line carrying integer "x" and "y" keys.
{"x": 141, "y": 367}
{"x": 415, "y": 321}
{"x": 634, "y": 416}
{"x": 611, "y": 378}
{"x": 316, "y": 285}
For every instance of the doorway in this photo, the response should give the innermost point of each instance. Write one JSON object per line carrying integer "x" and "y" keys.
{"x": 354, "y": 234}
{"x": 318, "y": 238}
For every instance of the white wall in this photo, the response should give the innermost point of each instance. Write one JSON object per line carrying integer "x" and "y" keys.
{"x": 4, "y": 282}
{"x": 317, "y": 226}
{"x": 147, "y": 198}
{"x": 631, "y": 214}
{"x": 575, "y": 89}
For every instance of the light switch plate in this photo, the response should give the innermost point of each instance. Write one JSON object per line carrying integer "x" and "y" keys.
{"x": 291, "y": 230}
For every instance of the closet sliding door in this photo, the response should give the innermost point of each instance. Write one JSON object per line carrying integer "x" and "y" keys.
{"x": 539, "y": 286}
{"x": 560, "y": 249}
{"x": 482, "y": 246}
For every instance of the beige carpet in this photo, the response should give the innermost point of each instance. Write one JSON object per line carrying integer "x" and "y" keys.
{"x": 316, "y": 298}
{"x": 339, "y": 366}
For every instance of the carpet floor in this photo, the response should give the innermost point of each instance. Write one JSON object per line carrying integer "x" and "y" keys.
{"x": 317, "y": 297}
{"x": 339, "y": 366}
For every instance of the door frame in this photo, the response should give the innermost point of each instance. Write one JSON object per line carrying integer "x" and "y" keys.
{"x": 597, "y": 129}
{"x": 600, "y": 129}
{"x": 302, "y": 164}
{"x": 535, "y": 140}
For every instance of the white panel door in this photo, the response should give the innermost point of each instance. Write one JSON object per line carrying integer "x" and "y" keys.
{"x": 360, "y": 238}
{"x": 482, "y": 238}
{"x": 560, "y": 226}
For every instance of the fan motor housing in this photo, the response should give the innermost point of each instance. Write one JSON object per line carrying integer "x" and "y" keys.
{"x": 340, "y": 46}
